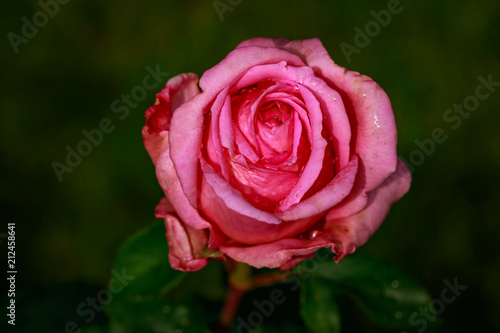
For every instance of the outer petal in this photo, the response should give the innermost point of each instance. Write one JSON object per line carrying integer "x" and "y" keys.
{"x": 167, "y": 177}
{"x": 351, "y": 232}
{"x": 177, "y": 90}
{"x": 185, "y": 142}
{"x": 282, "y": 253}
{"x": 184, "y": 243}
{"x": 239, "y": 61}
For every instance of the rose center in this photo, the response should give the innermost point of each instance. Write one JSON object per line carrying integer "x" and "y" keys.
{"x": 274, "y": 113}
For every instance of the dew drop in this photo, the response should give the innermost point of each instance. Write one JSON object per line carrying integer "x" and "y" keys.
{"x": 313, "y": 234}
{"x": 364, "y": 95}
{"x": 295, "y": 195}
{"x": 247, "y": 190}
{"x": 273, "y": 193}
{"x": 296, "y": 87}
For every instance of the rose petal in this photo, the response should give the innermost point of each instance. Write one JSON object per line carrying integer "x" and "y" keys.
{"x": 351, "y": 232}
{"x": 232, "y": 198}
{"x": 222, "y": 105}
{"x": 185, "y": 142}
{"x": 333, "y": 193}
{"x": 368, "y": 107}
{"x": 244, "y": 147}
{"x": 184, "y": 243}
{"x": 163, "y": 208}
{"x": 276, "y": 254}
{"x": 264, "y": 188}
{"x": 167, "y": 177}
{"x": 353, "y": 203}
{"x": 240, "y": 60}
{"x": 333, "y": 110}
{"x": 244, "y": 229}
{"x": 177, "y": 90}
{"x": 315, "y": 163}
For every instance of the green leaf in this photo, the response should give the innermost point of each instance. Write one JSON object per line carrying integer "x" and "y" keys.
{"x": 147, "y": 314}
{"x": 319, "y": 310}
{"x": 385, "y": 293}
{"x": 144, "y": 256}
{"x": 146, "y": 302}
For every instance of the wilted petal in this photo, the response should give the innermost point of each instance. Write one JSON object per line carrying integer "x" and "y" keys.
{"x": 184, "y": 244}
{"x": 177, "y": 90}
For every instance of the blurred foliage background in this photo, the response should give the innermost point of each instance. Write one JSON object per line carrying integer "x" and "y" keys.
{"x": 65, "y": 78}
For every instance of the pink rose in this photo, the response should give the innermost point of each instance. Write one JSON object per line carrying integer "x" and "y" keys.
{"x": 282, "y": 152}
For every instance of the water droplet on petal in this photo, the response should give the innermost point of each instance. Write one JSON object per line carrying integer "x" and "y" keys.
{"x": 296, "y": 87}
{"x": 313, "y": 234}
{"x": 247, "y": 190}
{"x": 364, "y": 95}
{"x": 377, "y": 123}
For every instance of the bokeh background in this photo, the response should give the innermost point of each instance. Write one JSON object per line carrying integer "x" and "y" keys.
{"x": 64, "y": 79}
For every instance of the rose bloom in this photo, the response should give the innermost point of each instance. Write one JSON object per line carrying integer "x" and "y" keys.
{"x": 275, "y": 153}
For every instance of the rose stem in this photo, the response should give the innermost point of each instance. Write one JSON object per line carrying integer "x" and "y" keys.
{"x": 241, "y": 281}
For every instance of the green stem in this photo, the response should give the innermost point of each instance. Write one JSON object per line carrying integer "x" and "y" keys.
{"x": 241, "y": 281}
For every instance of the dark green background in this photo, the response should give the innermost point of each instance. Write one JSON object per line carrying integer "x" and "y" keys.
{"x": 66, "y": 77}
